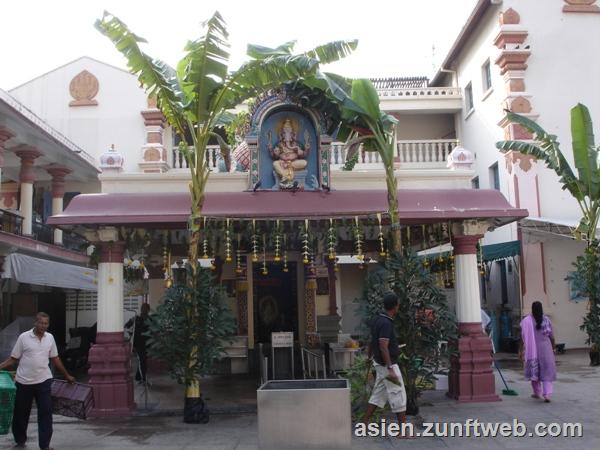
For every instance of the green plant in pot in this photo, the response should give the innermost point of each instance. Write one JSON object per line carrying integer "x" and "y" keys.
{"x": 585, "y": 189}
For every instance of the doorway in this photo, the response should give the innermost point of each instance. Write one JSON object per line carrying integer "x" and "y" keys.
{"x": 275, "y": 301}
{"x": 54, "y": 304}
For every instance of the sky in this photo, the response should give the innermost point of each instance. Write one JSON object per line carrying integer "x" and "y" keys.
{"x": 396, "y": 37}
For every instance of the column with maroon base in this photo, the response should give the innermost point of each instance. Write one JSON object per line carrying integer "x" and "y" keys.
{"x": 28, "y": 154}
{"x": 58, "y": 174}
{"x": 110, "y": 374}
{"x": 471, "y": 377}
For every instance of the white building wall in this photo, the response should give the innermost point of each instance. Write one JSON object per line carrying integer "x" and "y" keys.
{"x": 563, "y": 70}
{"x": 566, "y": 315}
{"x": 478, "y": 128}
{"x": 351, "y": 282}
{"x": 425, "y": 126}
{"x": 115, "y": 120}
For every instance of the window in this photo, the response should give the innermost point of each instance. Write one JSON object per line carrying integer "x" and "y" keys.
{"x": 486, "y": 76}
{"x": 469, "y": 98}
{"x": 475, "y": 183}
{"x": 494, "y": 177}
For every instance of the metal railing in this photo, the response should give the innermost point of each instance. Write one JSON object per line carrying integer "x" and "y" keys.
{"x": 42, "y": 232}
{"x": 310, "y": 364}
{"x": 10, "y": 222}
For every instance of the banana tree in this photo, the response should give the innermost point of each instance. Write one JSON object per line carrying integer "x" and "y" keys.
{"x": 584, "y": 187}
{"x": 363, "y": 122}
{"x": 196, "y": 95}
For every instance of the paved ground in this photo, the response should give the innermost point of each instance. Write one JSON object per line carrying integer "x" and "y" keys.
{"x": 575, "y": 400}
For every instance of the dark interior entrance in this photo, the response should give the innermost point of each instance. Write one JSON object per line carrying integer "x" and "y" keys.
{"x": 275, "y": 301}
{"x": 54, "y": 304}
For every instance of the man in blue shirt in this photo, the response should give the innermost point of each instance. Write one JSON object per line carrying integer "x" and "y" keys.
{"x": 389, "y": 386}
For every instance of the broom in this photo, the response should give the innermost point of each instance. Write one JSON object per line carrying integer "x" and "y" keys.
{"x": 506, "y": 391}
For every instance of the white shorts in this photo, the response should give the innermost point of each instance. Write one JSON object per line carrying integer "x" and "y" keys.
{"x": 385, "y": 391}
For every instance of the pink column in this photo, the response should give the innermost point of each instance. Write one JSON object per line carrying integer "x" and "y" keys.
{"x": 5, "y": 135}
{"x": 28, "y": 155}
{"x": 110, "y": 367}
{"x": 311, "y": 337}
{"x": 58, "y": 174}
{"x": 471, "y": 377}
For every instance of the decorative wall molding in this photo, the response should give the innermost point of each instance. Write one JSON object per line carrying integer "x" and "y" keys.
{"x": 83, "y": 88}
{"x": 154, "y": 153}
{"x": 581, "y": 6}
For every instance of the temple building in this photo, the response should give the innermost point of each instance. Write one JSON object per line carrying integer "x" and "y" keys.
{"x": 293, "y": 225}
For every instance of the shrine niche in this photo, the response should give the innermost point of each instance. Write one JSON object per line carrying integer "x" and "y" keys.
{"x": 288, "y": 148}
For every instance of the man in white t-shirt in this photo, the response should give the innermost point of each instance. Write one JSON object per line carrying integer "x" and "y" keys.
{"x": 33, "y": 351}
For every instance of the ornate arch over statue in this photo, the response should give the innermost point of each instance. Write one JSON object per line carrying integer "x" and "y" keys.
{"x": 287, "y": 148}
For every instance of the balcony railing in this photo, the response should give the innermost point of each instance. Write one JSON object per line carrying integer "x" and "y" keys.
{"x": 420, "y": 93}
{"x": 426, "y": 153}
{"x": 178, "y": 161}
{"x": 12, "y": 223}
{"x": 411, "y": 154}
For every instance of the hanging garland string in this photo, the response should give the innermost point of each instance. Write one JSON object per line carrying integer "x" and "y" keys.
{"x": 305, "y": 249}
{"x": 238, "y": 255}
{"x": 204, "y": 240}
{"x": 358, "y": 240}
{"x": 382, "y": 251}
{"x": 331, "y": 241}
{"x": 277, "y": 256}
{"x": 254, "y": 240}
{"x": 264, "y": 261}
{"x": 227, "y": 242}
{"x": 285, "y": 257}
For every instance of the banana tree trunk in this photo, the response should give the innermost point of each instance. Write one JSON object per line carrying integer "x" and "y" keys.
{"x": 392, "y": 195}
{"x": 194, "y": 410}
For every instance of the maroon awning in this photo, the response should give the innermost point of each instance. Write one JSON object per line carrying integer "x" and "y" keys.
{"x": 173, "y": 209}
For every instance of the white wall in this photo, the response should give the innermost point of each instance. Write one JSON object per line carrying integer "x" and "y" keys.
{"x": 478, "y": 130}
{"x": 115, "y": 120}
{"x": 566, "y": 315}
{"x": 563, "y": 69}
{"x": 425, "y": 126}
{"x": 351, "y": 282}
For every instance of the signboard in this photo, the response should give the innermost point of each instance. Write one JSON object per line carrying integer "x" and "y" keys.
{"x": 322, "y": 272}
{"x": 282, "y": 340}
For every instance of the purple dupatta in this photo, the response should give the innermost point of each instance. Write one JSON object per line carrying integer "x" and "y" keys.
{"x": 532, "y": 363}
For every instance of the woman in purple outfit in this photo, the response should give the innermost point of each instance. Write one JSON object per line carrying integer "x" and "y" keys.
{"x": 538, "y": 340}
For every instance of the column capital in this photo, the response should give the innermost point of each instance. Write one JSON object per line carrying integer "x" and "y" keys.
{"x": 28, "y": 154}
{"x": 112, "y": 252}
{"x": 5, "y": 135}
{"x": 58, "y": 174}
{"x": 471, "y": 228}
{"x": 108, "y": 234}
